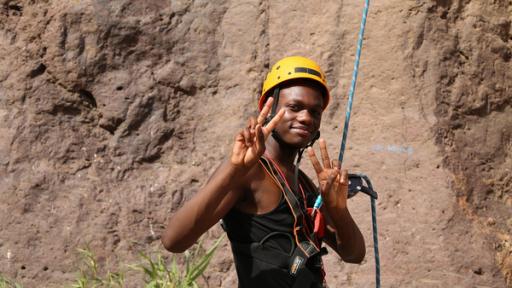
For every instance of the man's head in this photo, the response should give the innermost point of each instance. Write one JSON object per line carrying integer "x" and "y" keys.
{"x": 299, "y": 87}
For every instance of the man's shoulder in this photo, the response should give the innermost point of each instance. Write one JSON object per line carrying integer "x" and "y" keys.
{"x": 255, "y": 174}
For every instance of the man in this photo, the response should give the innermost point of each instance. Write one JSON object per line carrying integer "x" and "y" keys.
{"x": 263, "y": 200}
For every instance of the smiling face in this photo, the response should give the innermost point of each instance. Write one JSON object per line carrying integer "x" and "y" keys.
{"x": 303, "y": 102}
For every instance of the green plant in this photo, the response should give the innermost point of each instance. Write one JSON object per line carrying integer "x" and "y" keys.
{"x": 89, "y": 276}
{"x": 195, "y": 262}
{"x": 7, "y": 283}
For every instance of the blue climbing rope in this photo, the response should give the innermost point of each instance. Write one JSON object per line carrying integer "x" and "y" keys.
{"x": 318, "y": 202}
{"x": 375, "y": 244}
{"x": 354, "y": 79}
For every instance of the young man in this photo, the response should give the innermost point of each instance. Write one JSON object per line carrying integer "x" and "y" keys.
{"x": 263, "y": 200}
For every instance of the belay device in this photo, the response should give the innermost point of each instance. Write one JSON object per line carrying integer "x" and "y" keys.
{"x": 359, "y": 182}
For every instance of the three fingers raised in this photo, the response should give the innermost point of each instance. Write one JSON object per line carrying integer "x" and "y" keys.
{"x": 326, "y": 162}
{"x": 314, "y": 161}
{"x": 325, "y": 155}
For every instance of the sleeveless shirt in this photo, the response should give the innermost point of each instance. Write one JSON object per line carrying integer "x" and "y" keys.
{"x": 265, "y": 238}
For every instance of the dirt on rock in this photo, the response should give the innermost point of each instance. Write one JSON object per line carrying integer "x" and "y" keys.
{"x": 114, "y": 113}
{"x": 473, "y": 108}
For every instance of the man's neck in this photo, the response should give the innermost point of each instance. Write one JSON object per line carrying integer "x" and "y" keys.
{"x": 283, "y": 154}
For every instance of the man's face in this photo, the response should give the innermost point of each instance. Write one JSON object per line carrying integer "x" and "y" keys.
{"x": 303, "y": 104}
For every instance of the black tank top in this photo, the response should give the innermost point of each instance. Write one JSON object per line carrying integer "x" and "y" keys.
{"x": 269, "y": 234}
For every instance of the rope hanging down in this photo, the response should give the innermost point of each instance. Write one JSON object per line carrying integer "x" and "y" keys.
{"x": 318, "y": 202}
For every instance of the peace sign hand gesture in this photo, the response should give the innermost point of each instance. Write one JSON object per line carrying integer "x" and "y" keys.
{"x": 250, "y": 142}
{"x": 333, "y": 181}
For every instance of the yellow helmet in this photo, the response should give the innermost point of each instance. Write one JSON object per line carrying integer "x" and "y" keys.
{"x": 293, "y": 67}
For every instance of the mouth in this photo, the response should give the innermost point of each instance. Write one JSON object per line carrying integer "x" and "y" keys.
{"x": 304, "y": 132}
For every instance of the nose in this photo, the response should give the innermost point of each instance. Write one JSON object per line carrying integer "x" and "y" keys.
{"x": 305, "y": 117}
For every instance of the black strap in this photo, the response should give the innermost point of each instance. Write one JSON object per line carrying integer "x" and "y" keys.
{"x": 276, "y": 100}
{"x": 306, "y": 241}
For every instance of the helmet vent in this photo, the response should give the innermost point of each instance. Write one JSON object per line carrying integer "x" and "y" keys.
{"x": 308, "y": 71}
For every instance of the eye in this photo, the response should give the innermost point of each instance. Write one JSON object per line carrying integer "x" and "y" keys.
{"x": 316, "y": 113}
{"x": 294, "y": 107}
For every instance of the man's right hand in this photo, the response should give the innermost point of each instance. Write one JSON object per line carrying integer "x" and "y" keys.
{"x": 250, "y": 142}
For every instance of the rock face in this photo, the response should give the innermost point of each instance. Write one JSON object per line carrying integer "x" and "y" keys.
{"x": 115, "y": 112}
{"x": 473, "y": 94}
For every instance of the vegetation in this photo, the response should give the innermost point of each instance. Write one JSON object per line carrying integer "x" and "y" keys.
{"x": 180, "y": 271}
{"x": 160, "y": 275}
{"x": 89, "y": 276}
{"x": 7, "y": 283}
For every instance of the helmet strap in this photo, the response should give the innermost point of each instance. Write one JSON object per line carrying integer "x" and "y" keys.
{"x": 273, "y": 112}
{"x": 299, "y": 157}
{"x": 276, "y": 100}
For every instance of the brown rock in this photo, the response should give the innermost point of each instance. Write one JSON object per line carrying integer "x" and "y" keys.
{"x": 109, "y": 109}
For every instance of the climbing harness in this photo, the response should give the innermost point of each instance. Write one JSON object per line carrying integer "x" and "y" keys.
{"x": 307, "y": 241}
{"x": 359, "y": 178}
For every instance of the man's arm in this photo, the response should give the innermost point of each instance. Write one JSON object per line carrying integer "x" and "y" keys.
{"x": 343, "y": 235}
{"x": 205, "y": 209}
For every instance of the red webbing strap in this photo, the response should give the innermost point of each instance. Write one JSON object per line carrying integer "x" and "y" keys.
{"x": 300, "y": 223}
{"x": 309, "y": 226}
{"x": 318, "y": 219}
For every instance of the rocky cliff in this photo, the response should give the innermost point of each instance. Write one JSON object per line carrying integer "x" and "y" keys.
{"x": 115, "y": 112}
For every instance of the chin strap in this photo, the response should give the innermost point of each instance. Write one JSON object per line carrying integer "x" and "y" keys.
{"x": 275, "y": 95}
{"x": 273, "y": 113}
{"x": 299, "y": 157}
